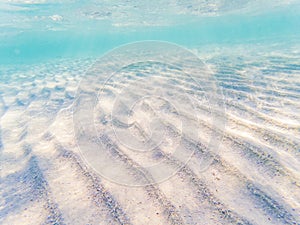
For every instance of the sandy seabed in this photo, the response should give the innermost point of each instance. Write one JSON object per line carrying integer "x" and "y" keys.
{"x": 253, "y": 179}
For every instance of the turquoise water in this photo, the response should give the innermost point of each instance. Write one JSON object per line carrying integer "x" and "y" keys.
{"x": 149, "y": 112}
{"x": 42, "y": 30}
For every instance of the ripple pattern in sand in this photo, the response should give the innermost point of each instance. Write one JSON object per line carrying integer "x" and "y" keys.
{"x": 253, "y": 179}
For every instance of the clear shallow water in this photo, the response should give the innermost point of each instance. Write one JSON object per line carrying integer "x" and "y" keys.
{"x": 41, "y": 30}
{"x": 253, "y": 51}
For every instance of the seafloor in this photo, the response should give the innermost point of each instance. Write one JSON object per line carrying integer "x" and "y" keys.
{"x": 253, "y": 179}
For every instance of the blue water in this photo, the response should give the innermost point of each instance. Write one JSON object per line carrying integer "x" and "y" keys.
{"x": 40, "y": 30}
{"x": 229, "y": 101}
